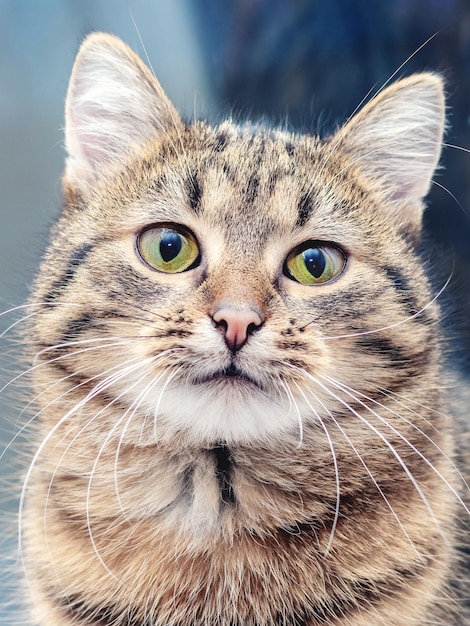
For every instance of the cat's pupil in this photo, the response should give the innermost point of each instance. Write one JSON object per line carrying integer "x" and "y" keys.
{"x": 170, "y": 246}
{"x": 315, "y": 261}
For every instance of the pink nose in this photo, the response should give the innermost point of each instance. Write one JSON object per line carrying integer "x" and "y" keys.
{"x": 236, "y": 325}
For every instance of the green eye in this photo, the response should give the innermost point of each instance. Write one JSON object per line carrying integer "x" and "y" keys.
{"x": 314, "y": 263}
{"x": 168, "y": 249}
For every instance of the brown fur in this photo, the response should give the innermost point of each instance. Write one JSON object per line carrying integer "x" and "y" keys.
{"x": 321, "y": 492}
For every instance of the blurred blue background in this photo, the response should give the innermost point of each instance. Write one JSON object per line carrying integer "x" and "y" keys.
{"x": 310, "y": 60}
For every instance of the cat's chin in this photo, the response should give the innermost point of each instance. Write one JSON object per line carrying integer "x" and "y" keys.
{"x": 233, "y": 409}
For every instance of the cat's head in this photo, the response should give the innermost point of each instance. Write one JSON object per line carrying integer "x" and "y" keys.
{"x": 236, "y": 283}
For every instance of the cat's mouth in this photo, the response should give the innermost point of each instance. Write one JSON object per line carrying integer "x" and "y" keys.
{"x": 229, "y": 375}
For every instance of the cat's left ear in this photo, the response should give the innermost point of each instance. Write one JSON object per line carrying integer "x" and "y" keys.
{"x": 396, "y": 141}
{"x": 114, "y": 104}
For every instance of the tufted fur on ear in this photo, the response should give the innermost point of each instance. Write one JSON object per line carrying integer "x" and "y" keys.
{"x": 396, "y": 141}
{"x": 114, "y": 103}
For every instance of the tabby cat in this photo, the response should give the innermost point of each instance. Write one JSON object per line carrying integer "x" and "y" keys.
{"x": 237, "y": 370}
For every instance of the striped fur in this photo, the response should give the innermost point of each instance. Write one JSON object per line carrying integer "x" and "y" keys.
{"x": 305, "y": 479}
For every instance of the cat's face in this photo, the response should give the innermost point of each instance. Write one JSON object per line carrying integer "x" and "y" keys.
{"x": 235, "y": 284}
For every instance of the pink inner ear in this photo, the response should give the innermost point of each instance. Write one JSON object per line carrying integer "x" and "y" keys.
{"x": 89, "y": 140}
{"x": 407, "y": 192}
{"x": 93, "y": 151}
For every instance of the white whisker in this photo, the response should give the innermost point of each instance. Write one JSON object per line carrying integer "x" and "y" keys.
{"x": 105, "y": 340}
{"x": 335, "y": 465}
{"x": 61, "y": 396}
{"x": 293, "y": 403}
{"x": 21, "y": 320}
{"x": 162, "y": 391}
{"x": 132, "y": 410}
{"x": 387, "y": 443}
{"x": 103, "y": 385}
{"x": 392, "y": 449}
{"x": 352, "y": 393}
{"x": 448, "y": 191}
{"x": 394, "y": 325}
{"x": 21, "y": 307}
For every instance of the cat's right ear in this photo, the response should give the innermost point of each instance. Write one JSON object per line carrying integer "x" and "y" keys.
{"x": 114, "y": 104}
{"x": 396, "y": 139}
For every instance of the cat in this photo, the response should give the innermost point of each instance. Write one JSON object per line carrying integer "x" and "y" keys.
{"x": 237, "y": 369}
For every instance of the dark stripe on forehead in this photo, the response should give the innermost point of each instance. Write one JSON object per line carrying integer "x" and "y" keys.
{"x": 221, "y": 141}
{"x": 76, "y": 259}
{"x": 274, "y": 176}
{"x": 304, "y": 210}
{"x": 194, "y": 191}
{"x": 252, "y": 187}
{"x": 290, "y": 148}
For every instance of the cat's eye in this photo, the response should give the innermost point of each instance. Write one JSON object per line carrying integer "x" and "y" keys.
{"x": 170, "y": 249}
{"x": 314, "y": 263}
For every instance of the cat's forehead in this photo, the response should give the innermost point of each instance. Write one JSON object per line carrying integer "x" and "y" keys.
{"x": 252, "y": 159}
{"x": 245, "y": 175}
{"x": 237, "y": 178}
